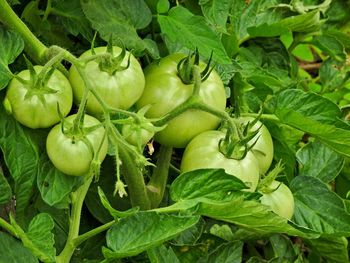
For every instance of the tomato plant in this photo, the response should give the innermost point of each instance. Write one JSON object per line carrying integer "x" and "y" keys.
{"x": 119, "y": 84}
{"x": 192, "y": 74}
{"x": 203, "y": 151}
{"x": 279, "y": 198}
{"x": 165, "y": 90}
{"x": 36, "y": 103}
{"x": 63, "y": 145}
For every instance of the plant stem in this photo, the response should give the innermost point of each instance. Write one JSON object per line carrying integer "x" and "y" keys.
{"x": 5, "y": 225}
{"x": 77, "y": 198}
{"x": 157, "y": 183}
{"x": 80, "y": 239}
{"x": 270, "y": 117}
{"x": 134, "y": 180}
{"x": 33, "y": 46}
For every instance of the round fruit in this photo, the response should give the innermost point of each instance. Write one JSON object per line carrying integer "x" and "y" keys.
{"x": 72, "y": 154}
{"x": 203, "y": 152}
{"x": 37, "y": 107}
{"x": 280, "y": 199}
{"x": 119, "y": 89}
{"x": 165, "y": 90}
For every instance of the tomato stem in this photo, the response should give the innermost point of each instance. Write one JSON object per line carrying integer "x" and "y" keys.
{"x": 5, "y": 225}
{"x": 159, "y": 178}
{"x": 77, "y": 199}
{"x": 33, "y": 46}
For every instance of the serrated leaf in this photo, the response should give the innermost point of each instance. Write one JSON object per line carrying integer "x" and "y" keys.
{"x": 189, "y": 31}
{"x": 331, "y": 46}
{"x": 12, "y": 251}
{"x": 5, "y": 189}
{"x": 21, "y": 156}
{"x": 204, "y": 183}
{"x": 216, "y": 12}
{"x": 250, "y": 215}
{"x": 317, "y": 160}
{"x": 162, "y": 254}
{"x": 314, "y": 115}
{"x": 40, "y": 234}
{"x": 118, "y": 19}
{"x": 53, "y": 185}
{"x": 230, "y": 252}
{"x": 318, "y": 208}
{"x": 144, "y": 231}
{"x": 333, "y": 249}
{"x": 11, "y": 46}
{"x": 71, "y": 15}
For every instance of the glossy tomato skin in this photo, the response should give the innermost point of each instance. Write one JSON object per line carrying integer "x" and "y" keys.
{"x": 164, "y": 91}
{"x": 263, "y": 148}
{"x": 134, "y": 134}
{"x": 30, "y": 110}
{"x": 120, "y": 90}
{"x": 71, "y": 155}
{"x": 203, "y": 152}
{"x": 280, "y": 201}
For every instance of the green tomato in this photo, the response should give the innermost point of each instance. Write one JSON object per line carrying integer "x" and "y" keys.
{"x": 203, "y": 152}
{"x": 120, "y": 90}
{"x": 73, "y": 154}
{"x": 138, "y": 135}
{"x": 164, "y": 91}
{"x": 36, "y": 107}
{"x": 263, "y": 148}
{"x": 279, "y": 199}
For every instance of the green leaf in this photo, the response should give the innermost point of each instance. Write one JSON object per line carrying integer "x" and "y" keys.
{"x": 115, "y": 213}
{"x": 189, "y": 31}
{"x": 11, "y": 46}
{"x": 331, "y": 46}
{"x": 204, "y": 183}
{"x": 250, "y": 215}
{"x": 21, "y": 156}
{"x": 333, "y": 249}
{"x": 53, "y": 185}
{"x": 305, "y": 23}
{"x": 314, "y": 115}
{"x": 163, "y": 6}
{"x": 5, "y": 189}
{"x": 162, "y": 254}
{"x": 38, "y": 238}
{"x": 318, "y": 208}
{"x": 144, "y": 231}
{"x": 333, "y": 75}
{"x": 12, "y": 251}
{"x": 317, "y": 160}
{"x": 230, "y": 252}
{"x": 40, "y": 234}
{"x": 118, "y": 19}
{"x": 282, "y": 247}
{"x": 70, "y": 14}
{"x": 216, "y": 12}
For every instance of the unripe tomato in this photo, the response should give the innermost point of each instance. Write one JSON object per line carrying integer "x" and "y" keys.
{"x": 203, "y": 152}
{"x": 71, "y": 154}
{"x": 119, "y": 90}
{"x": 165, "y": 90}
{"x": 280, "y": 199}
{"x": 36, "y": 107}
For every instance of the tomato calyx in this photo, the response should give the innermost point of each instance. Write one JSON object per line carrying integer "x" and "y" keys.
{"x": 110, "y": 63}
{"x": 266, "y": 182}
{"x": 237, "y": 143}
{"x": 186, "y": 65}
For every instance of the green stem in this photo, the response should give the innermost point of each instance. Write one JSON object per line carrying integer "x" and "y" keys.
{"x": 77, "y": 199}
{"x": 269, "y": 117}
{"x": 157, "y": 183}
{"x": 33, "y": 46}
{"x": 80, "y": 239}
{"x": 134, "y": 180}
{"x": 5, "y": 225}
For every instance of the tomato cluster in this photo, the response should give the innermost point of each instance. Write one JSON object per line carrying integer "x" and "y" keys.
{"x": 112, "y": 79}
